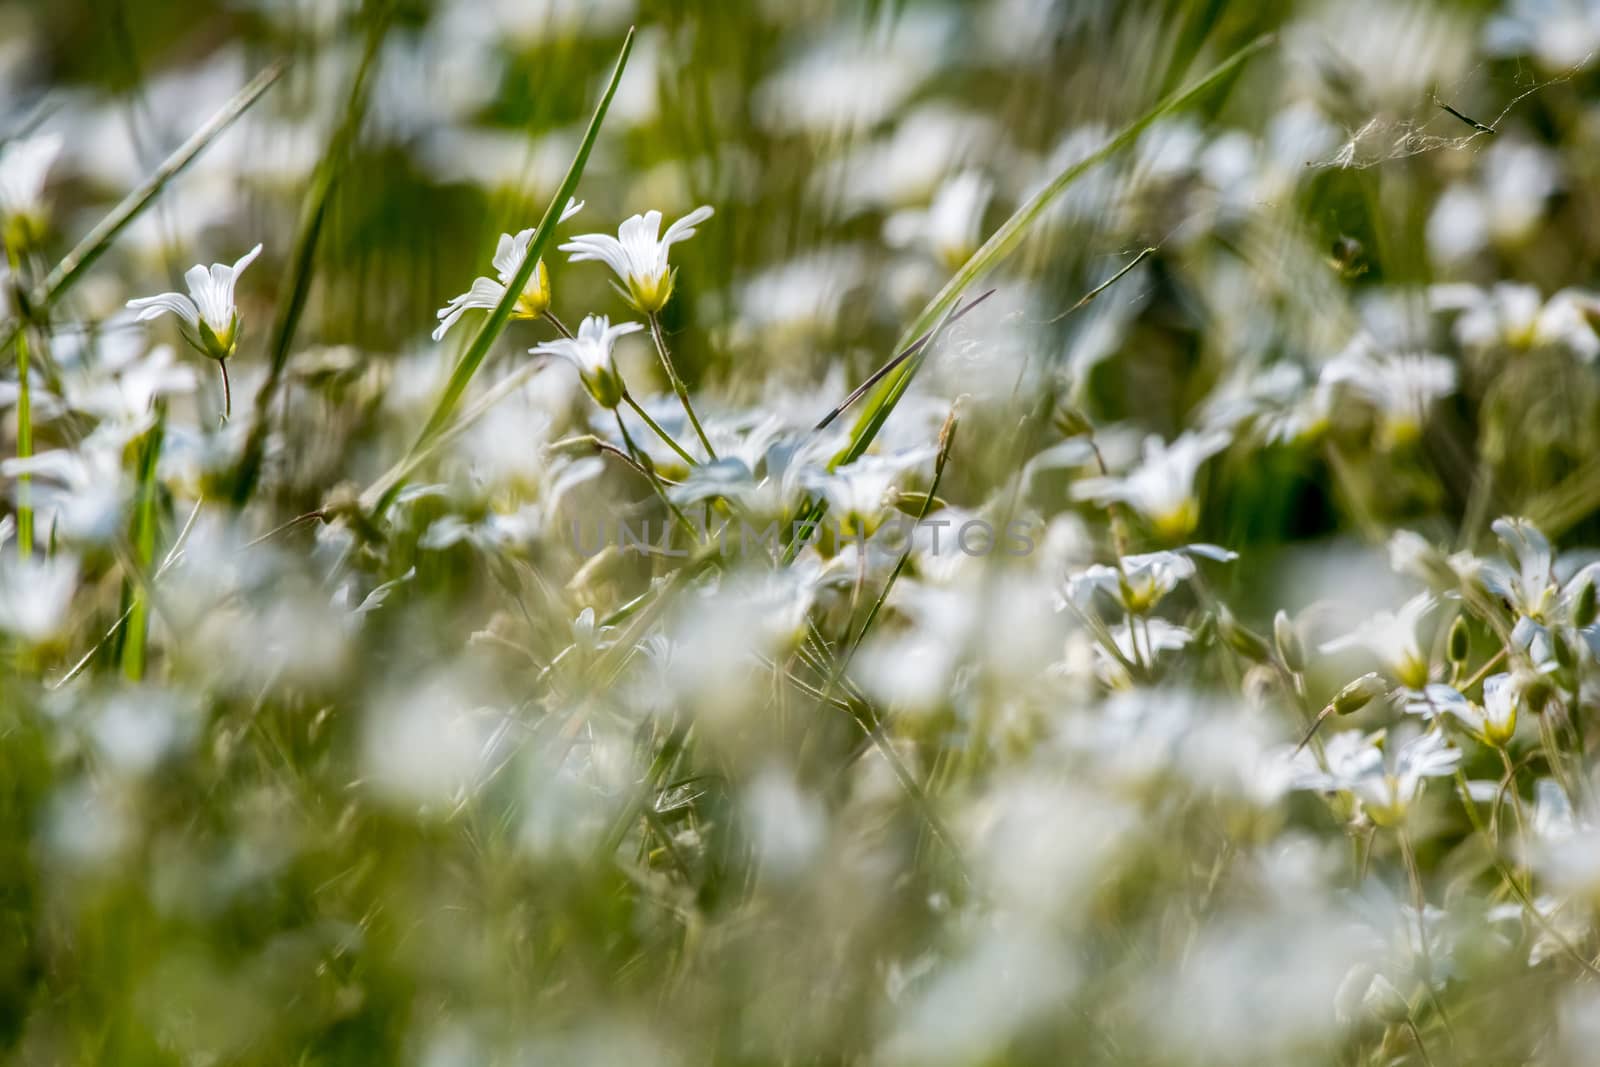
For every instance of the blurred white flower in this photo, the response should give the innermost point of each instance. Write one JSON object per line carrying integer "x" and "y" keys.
{"x": 135, "y": 729}
{"x": 80, "y": 491}
{"x": 850, "y": 81}
{"x": 1140, "y": 581}
{"x": 486, "y": 293}
{"x": 973, "y": 1006}
{"x": 1389, "y": 52}
{"x": 1514, "y": 316}
{"x": 952, "y": 226}
{"x": 427, "y": 745}
{"x": 24, "y": 166}
{"x": 801, "y": 293}
{"x": 1561, "y": 34}
{"x": 1161, "y": 487}
{"x": 860, "y": 493}
{"x": 1386, "y": 773}
{"x": 1495, "y": 721}
{"x": 1502, "y": 207}
{"x": 637, "y": 256}
{"x": 1402, "y": 387}
{"x": 35, "y": 593}
{"x": 124, "y": 392}
{"x": 1392, "y": 638}
{"x": 208, "y": 309}
{"x": 788, "y": 826}
{"x": 590, "y": 353}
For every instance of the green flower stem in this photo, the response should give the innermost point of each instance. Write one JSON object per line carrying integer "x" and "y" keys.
{"x": 677, "y": 384}
{"x": 650, "y": 472}
{"x": 655, "y": 427}
{"x": 560, "y": 327}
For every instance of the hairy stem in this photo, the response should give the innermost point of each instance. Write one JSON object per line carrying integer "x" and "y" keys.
{"x": 678, "y": 386}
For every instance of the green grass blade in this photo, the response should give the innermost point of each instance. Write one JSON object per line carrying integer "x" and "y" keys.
{"x": 144, "y": 551}
{"x": 473, "y": 357}
{"x": 302, "y": 260}
{"x": 97, "y": 240}
{"x": 1005, "y": 240}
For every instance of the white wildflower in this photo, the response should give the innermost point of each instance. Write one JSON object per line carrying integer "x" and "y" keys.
{"x": 590, "y": 353}
{"x": 1560, "y": 34}
{"x": 1495, "y": 721}
{"x": 1392, "y": 638}
{"x": 952, "y": 225}
{"x": 1385, "y": 773}
{"x": 1401, "y": 387}
{"x": 24, "y": 166}
{"x": 485, "y": 294}
{"x": 1514, "y": 316}
{"x": 861, "y": 492}
{"x": 35, "y": 592}
{"x": 208, "y": 309}
{"x": 638, "y": 256}
{"x": 1162, "y": 487}
{"x": 1141, "y": 581}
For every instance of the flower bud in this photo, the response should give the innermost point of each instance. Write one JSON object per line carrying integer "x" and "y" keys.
{"x": 1070, "y": 421}
{"x": 1384, "y": 1001}
{"x": 1358, "y": 694}
{"x": 1241, "y": 639}
{"x": 1290, "y": 648}
{"x": 1561, "y": 647}
{"x": 1537, "y": 690}
{"x": 219, "y": 346}
{"x": 603, "y": 383}
{"x": 1460, "y": 641}
{"x": 1584, "y": 606}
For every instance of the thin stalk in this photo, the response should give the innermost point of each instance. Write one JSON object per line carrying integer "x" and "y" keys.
{"x": 297, "y": 280}
{"x": 1419, "y": 904}
{"x": 172, "y": 556}
{"x": 1422, "y": 1046}
{"x": 1510, "y": 879}
{"x": 383, "y": 492}
{"x": 98, "y": 239}
{"x": 560, "y": 327}
{"x": 655, "y": 427}
{"x": 649, "y": 470}
{"x": 677, "y": 384}
{"x": 1011, "y": 233}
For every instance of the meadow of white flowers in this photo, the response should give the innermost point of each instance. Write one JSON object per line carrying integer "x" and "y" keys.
{"x": 1018, "y": 532}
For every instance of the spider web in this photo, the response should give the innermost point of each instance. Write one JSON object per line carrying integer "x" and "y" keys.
{"x": 1384, "y": 138}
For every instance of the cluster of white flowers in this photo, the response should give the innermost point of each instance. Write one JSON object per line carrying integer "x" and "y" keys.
{"x": 1190, "y": 655}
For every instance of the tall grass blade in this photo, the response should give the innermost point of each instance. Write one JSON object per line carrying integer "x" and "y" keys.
{"x": 144, "y": 550}
{"x": 97, "y": 240}
{"x": 473, "y": 357}
{"x": 1005, "y": 239}
{"x": 302, "y": 260}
